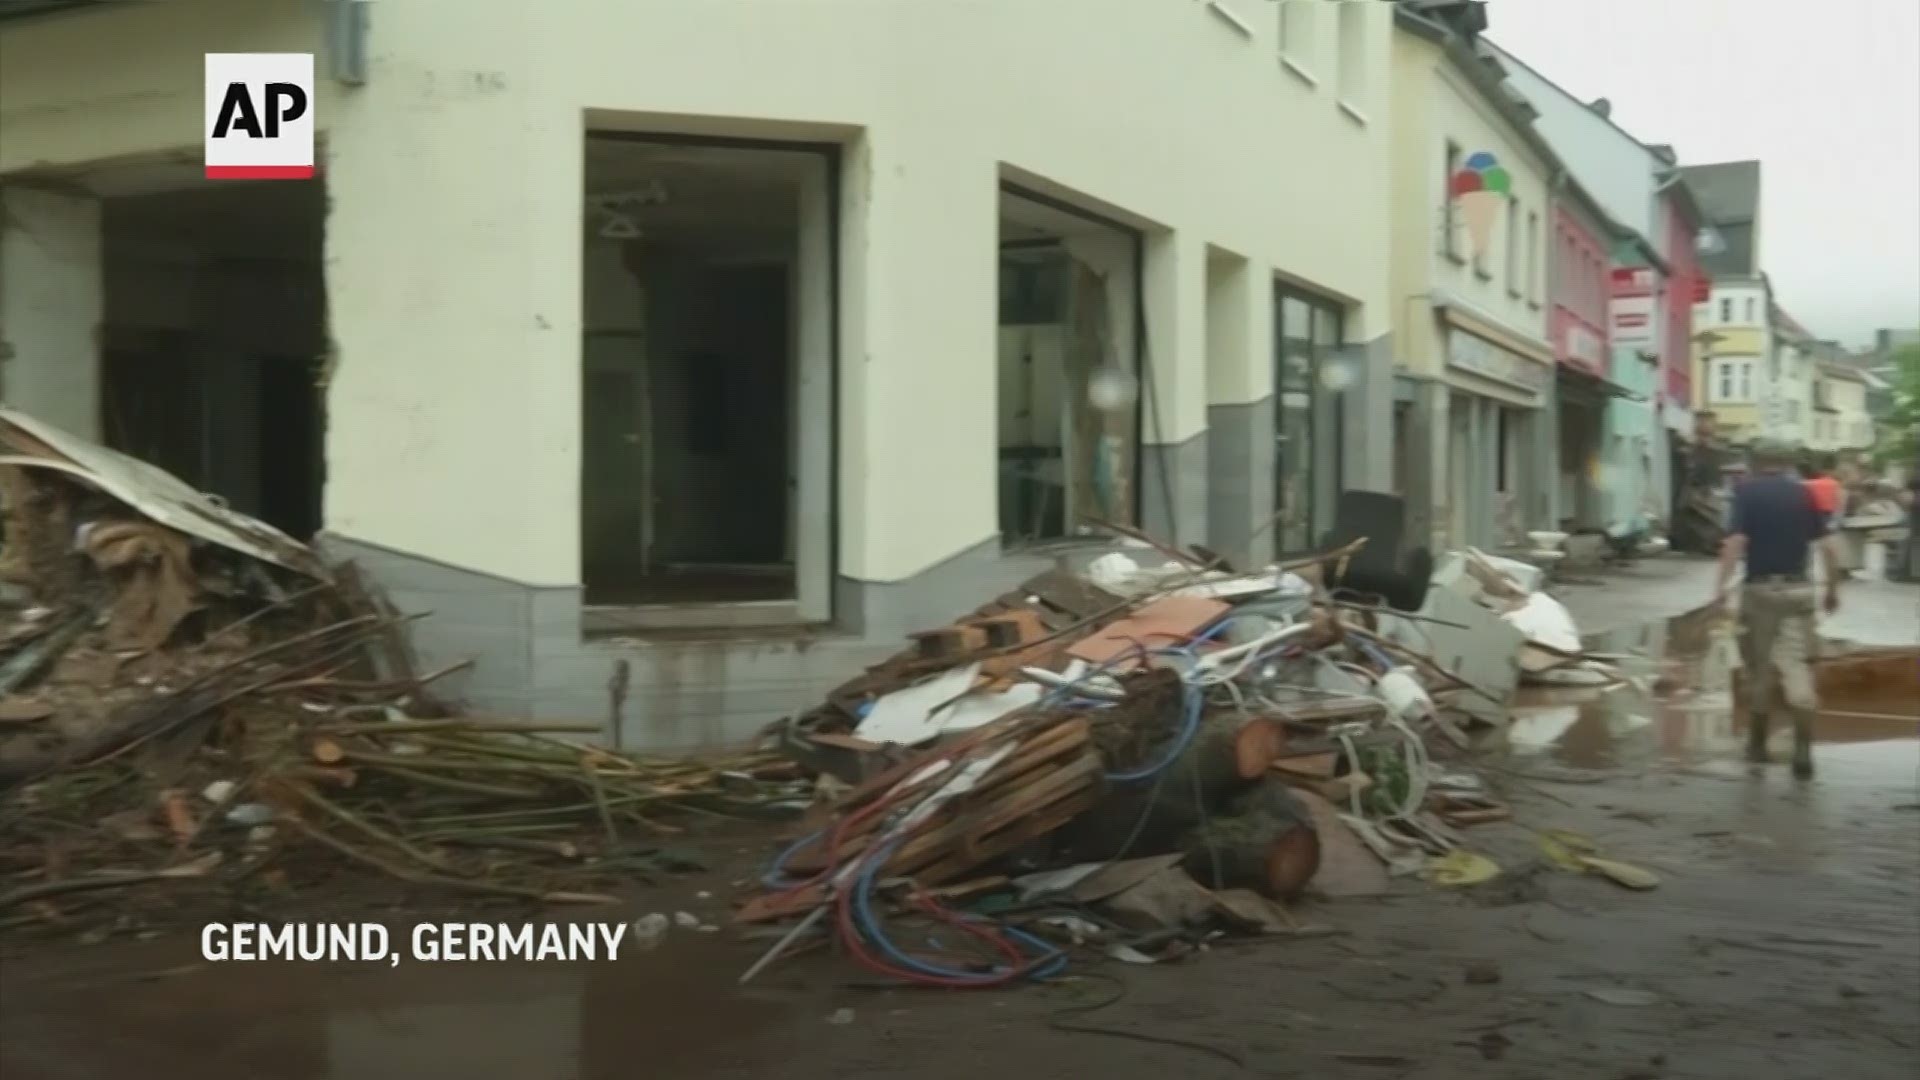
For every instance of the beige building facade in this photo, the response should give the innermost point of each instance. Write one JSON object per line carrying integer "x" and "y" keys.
{"x": 722, "y": 343}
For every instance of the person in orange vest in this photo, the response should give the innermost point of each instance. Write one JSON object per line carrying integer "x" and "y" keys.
{"x": 1817, "y": 474}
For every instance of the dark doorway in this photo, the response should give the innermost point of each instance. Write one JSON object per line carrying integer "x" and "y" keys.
{"x": 292, "y": 445}
{"x": 214, "y": 338}
{"x": 703, "y": 266}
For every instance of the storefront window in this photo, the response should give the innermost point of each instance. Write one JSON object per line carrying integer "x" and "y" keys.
{"x": 1069, "y": 417}
{"x": 1309, "y": 386}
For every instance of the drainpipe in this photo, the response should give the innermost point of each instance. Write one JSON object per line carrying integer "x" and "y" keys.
{"x": 347, "y": 27}
{"x": 1547, "y": 448}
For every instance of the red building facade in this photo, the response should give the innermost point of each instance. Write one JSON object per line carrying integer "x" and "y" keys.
{"x": 1687, "y": 284}
{"x": 1578, "y": 318}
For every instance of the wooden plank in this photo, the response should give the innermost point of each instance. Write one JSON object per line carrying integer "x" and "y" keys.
{"x": 1027, "y": 831}
{"x": 1061, "y": 783}
{"x": 843, "y": 742}
{"x": 1045, "y": 787}
{"x": 1065, "y": 738}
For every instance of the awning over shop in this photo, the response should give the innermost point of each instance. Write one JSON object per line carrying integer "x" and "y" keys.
{"x": 1586, "y": 387}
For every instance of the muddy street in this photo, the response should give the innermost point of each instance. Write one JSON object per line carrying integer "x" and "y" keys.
{"x": 1783, "y": 940}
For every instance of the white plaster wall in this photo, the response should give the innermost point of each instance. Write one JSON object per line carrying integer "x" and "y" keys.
{"x": 1854, "y": 428}
{"x": 1462, "y": 116}
{"x": 1433, "y": 104}
{"x": 454, "y": 239}
{"x": 130, "y": 81}
{"x": 1797, "y": 374}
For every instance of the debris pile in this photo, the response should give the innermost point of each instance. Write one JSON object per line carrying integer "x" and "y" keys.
{"x": 1138, "y": 757}
{"x": 188, "y": 694}
{"x": 1143, "y": 758}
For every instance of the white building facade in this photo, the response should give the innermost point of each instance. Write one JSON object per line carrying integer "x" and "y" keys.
{"x": 1627, "y": 178}
{"x": 1474, "y": 425}
{"x": 708, "y": 348}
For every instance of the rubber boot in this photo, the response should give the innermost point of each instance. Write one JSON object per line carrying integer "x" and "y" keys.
{"x": 1757, "y": 738}
{"x": 1802, "y": 744}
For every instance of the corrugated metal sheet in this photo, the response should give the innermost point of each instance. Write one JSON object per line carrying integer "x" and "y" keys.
{"x": 156, "y": 493}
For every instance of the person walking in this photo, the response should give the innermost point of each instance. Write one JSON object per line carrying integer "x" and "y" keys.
{"x": 1827, "y": 495}
{"x": 1774, "y": 530}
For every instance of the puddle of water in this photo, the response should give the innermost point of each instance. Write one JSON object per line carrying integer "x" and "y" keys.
{"x": 671, "y": 1012}
{"x": 1689, "y": 707}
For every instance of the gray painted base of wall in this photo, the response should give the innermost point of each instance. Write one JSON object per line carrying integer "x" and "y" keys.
{"x": 684, "y": 690}
{"x": 1240, "y": 482}
{"x": 1173, "y": 490}
{"x": 687, "y": 690}
{"x": 1369, "y": 421}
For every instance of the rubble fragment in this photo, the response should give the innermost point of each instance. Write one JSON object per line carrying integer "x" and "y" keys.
{"x": 172, "y": 646}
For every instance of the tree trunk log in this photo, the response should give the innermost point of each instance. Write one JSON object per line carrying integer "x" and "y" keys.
{"x": 1268, "y": 844}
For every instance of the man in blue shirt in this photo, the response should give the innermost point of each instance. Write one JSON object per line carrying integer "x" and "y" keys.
{"x": 1775, "y": 527}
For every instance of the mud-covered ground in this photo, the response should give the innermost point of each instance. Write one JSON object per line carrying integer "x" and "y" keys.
{"x": 1783, "y": 942}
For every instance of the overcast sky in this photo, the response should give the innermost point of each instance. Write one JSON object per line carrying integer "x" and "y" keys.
{"x": 1826, "y": 96}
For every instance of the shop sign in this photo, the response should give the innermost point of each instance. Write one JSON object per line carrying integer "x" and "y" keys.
{"x": 1630, "y": 310}
{"x": 1582, "y": 346}
{"x": 1489, "y": 361}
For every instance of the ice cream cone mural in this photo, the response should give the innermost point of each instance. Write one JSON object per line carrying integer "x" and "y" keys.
{"x": 1480, "y": 188}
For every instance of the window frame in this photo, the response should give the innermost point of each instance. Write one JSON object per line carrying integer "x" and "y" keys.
{"x": 1534, "y": 258}
{"x": 1513, "y": 248}
{"x": 1450, "y": 213}
{"x": 1318, "y": 308}
{"x": 1295, "y": 23}
{"x": 1350, "y": 83}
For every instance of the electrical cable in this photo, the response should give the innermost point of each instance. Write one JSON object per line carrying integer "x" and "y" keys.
{"x": 776, "y": 874}
{"x": 1017, "y": 953}
{"x": 860, "y": 927}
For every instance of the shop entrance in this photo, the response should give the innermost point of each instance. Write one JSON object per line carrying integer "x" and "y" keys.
{"x": 214, "y": 337}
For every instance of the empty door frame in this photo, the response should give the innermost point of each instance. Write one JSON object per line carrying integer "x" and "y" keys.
{"x": 815, "y": 392}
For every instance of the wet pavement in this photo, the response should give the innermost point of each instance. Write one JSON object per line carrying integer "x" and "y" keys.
{"x": 1782, "y": 942}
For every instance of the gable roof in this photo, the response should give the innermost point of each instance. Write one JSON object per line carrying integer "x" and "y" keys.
{"x": 1507, "y": 56}
{"x": 1483, "y": 71}
{"x": 1845, "y": 372}
{"x": 1729, "y": 191}
{"x": 1673, "y": 182}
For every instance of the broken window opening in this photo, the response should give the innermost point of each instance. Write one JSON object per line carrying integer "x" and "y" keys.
{"x": 1068, "y": 370}
{"x": 214, "y": 338}
{"x": 1310, "y": 380}
{"x": 707, "y": 366}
